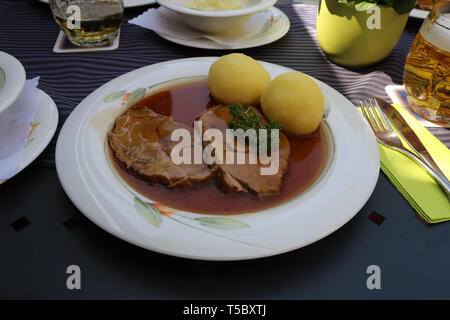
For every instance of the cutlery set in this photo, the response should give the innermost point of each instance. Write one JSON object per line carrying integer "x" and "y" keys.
{"x": 390, "y": 129}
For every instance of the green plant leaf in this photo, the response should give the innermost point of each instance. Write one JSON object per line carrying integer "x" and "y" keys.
{"x": 114, "y": 96}
{"x": 222, "y": 223}
{"x": 136, "y": 96}
{"x": 29, "y": 141}
{"x": 364, "y": 6}
{"x": 403, "y": 6}
{"x": 400, "y": 6}
{"x": 148, "y": 211}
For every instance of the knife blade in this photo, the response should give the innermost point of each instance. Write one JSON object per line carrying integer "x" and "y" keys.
{"x": 408, "y": 134}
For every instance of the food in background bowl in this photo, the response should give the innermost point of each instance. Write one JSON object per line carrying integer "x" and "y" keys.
{"x": 215, "y": 4}
{"x": 237, "y": 78}
{"x": 295, "y": 101}
{"x": 216, "y": 21}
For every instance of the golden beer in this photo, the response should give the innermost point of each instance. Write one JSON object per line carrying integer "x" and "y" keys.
{"x": 425, "y": 4}
{"x": 98, "y": 24}
{"x": 427, "y": 68}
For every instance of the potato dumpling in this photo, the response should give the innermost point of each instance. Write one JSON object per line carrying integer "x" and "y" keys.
{"x": 295, "y": 101}
{"x": 237, "y": 78}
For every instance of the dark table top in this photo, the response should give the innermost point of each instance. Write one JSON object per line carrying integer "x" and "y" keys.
{"x": 413, "y": 257}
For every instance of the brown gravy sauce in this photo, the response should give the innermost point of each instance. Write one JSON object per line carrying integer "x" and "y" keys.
{"x": 185, "y": 103}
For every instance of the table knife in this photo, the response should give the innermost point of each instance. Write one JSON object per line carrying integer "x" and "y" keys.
{"x": 408, "y": 134}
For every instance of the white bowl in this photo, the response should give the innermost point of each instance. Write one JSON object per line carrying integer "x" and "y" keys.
{"x": 12, "y": 80}
{"x": 216, "y": 21}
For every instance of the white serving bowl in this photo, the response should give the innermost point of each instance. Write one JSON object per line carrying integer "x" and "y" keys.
{"x": 216, "y": 21}
{"x": 12, "y": 80}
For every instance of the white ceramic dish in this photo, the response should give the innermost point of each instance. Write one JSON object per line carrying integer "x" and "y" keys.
{"x": 137, "y": 3}
{"x": 2, "y": 78}
{"x": 250, "y": 34}
{"x": 216, "y": 21}
{"x": 93, "y": 186}
{"x": 43, "y": 128}
{"x": 13, "y": 75}
{"x": 128, "y": 3}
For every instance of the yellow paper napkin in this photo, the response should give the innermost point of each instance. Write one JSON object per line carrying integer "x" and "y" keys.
{"x": 416, "y": 186}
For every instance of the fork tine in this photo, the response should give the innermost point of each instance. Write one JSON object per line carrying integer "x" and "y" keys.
{"x": 381, "y": 115}
{"x": 369, "y": 116}
{"x": 374, "y": 115}
{"x": 364, "y": 113}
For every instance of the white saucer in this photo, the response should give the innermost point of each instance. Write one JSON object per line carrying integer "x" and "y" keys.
{"x": 13, "y": 75}
{"x": 275, "y": 28}
{"x": 128, "y": 3}
{"x": 44, "y": 123}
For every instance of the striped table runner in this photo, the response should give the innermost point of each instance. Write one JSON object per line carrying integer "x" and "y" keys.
{"x": 28, "y": 31}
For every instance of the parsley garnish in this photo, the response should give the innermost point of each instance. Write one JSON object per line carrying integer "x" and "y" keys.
{"x": 245, "y": 118}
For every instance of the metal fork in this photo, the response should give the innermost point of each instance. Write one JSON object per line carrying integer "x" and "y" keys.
{"x": 386, "y": 135}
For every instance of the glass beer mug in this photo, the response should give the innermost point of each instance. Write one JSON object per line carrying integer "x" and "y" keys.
{"x": 89, "y": 23}
{"x": 427, "y": 68}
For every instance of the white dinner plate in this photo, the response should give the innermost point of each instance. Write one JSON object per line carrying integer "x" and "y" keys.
{"x": 94, "y": 187}
{"x": 129, "y": 3}
{"x": 12, "y": 80}
{"x": 276, "y": 26}
{"x": 43, "y": 126}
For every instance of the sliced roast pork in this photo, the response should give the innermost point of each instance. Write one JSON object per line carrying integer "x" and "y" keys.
{"x": 140, "y": 141}
{"x": 244, "y": 177}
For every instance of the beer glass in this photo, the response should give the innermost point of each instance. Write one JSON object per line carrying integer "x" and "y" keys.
{"x": 425, "y": 4}
{"x": 427, "y": 68}
{"x": 89, "y": 23}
